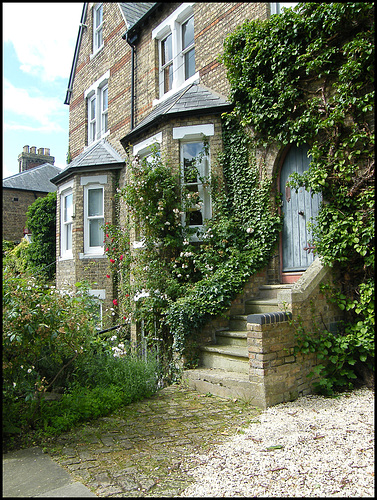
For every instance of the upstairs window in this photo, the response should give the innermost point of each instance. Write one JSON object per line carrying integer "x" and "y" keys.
{"x": 97, "y": 105}
{"x": 167, "y": 63}
{"x": 176, "y": 49}
{"x": 188, "y": 48}
{"x": 97, "y": 28}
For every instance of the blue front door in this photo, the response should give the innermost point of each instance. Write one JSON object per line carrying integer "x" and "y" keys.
{"x": 298, "y": 209}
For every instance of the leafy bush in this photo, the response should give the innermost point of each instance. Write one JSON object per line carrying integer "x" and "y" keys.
{"x": 41, "y": 221}
{"x": 50, "y": 344}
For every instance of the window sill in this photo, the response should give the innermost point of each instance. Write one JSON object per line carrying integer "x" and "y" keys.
{"x": 189, "y": 81}
{"x": 92, "y": 256}
{"x": 92, "y": 56}
{"x": 65, "y": 257}
{"x": 97, "y": 140}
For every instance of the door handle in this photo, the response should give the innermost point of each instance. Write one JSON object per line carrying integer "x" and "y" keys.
{"x": 300, "y": 212}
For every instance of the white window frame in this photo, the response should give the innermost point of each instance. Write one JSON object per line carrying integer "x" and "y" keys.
{"x": 95, "y": 93}
{"x": 89, "y": 183}
{"x": 277, "y": 6}
{"x": 97, "y": 29}
{"x": 173, "y": 24}
{"x": 101, "y": 296}
{"x": 144, "y": 149}
{"x": 64, "y": 191}
{"x": 191, "y": 134}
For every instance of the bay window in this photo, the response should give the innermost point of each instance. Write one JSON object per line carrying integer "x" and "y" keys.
{"x": 66, "y": 220}
{"x": 195, "y": 173}
{"x": 94, "y": 216}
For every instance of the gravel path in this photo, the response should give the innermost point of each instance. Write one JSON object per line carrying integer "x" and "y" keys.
{"x": 312, "y": 447}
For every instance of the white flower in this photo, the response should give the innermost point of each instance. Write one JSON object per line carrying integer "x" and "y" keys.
{"x": 140, "y": 295}
{"x": 249, "y": 230}
{"x": 29, "y": 370}
{"x": 167, "y": 223}
{"x": 114, "y": 337}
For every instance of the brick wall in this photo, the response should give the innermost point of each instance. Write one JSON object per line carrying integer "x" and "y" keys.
{"x": 115, "y": 57}
{"x": 15, "y": 204}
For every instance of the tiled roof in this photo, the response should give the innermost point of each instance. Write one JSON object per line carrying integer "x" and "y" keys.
{"x": 35, "y": 179}
{"x": 98, "y": 154}
{"x": 134, "y": 11}
{"x": 193, "y": 99}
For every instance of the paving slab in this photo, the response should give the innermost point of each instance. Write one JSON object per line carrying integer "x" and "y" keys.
{"x": 32, "y": 473}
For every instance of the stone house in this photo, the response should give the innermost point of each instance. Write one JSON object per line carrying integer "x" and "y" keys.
{"x": 147, "y": 75}
{"x": 36, "y": 169}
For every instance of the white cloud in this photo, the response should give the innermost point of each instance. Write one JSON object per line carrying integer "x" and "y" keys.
{"x": 45, "y": 111}
{"x": 43, "y": 35}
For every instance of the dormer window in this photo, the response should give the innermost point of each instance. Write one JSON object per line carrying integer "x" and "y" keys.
{"x": 176, "y": 49}
{"x": 97, "y": 27}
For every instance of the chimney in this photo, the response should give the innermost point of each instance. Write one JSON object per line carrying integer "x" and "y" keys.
{"x": 30, "y": 159}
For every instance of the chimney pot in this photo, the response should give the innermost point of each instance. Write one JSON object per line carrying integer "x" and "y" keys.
{"x": 47, "y": 151}
{"x": 26, "y": 149}
{"x": 32, "y": 149}
{"x": 40, "y": 151}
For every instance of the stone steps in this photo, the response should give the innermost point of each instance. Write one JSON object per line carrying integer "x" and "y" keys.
{"x": 230, "y": 358}
{"x": 219, "y": 382}
{"x": 224, "y": 365}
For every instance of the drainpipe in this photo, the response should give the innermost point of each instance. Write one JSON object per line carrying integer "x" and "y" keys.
{"x": 131, "y": 43}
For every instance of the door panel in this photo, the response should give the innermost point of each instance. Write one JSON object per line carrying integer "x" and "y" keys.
{"x": 298, "y": 209}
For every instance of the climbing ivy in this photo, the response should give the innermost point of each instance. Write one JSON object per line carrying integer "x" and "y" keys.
{"x": 307, "y": 76}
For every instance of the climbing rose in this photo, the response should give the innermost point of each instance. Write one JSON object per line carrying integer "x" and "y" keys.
{"x": 107, "y": 275}
{"x": 121, "y": 257}
{"x": 112, "y": 261}
{"x": 115, "y": 302}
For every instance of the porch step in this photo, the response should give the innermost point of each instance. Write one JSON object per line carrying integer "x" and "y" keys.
{"x": 222, "y": 383}
{"x": 231, "y": 338}
{"x": 270, "y": 291}
{"x": 256, "y": 306}
{"x": 227, "y": 357}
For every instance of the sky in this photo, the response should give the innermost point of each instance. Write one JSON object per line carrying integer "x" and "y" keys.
{"x": 38, "y": 46}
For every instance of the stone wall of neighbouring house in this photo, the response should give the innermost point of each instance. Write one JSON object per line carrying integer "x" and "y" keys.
{"x": 15, "y": 204}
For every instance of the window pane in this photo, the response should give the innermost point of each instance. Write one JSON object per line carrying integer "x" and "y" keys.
{"x": 188, "y": 33}
{"x": 166, "y": 50}
{"x": 68, "y": 208}
{"x": 104, "y": 99}
{"x": 168, "y": 78}
{"x": 96, "y": 235}
{"x": 95, "y": 202}
{"x": 93, "y": 108}
{"x": 68, "y": 237}
{"x": 189, "y": 63}
{"x": 194, "y": 218}
{"x": 98, "y": 16}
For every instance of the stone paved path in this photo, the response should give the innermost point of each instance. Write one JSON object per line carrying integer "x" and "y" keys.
{"x": 146, "y": 448}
